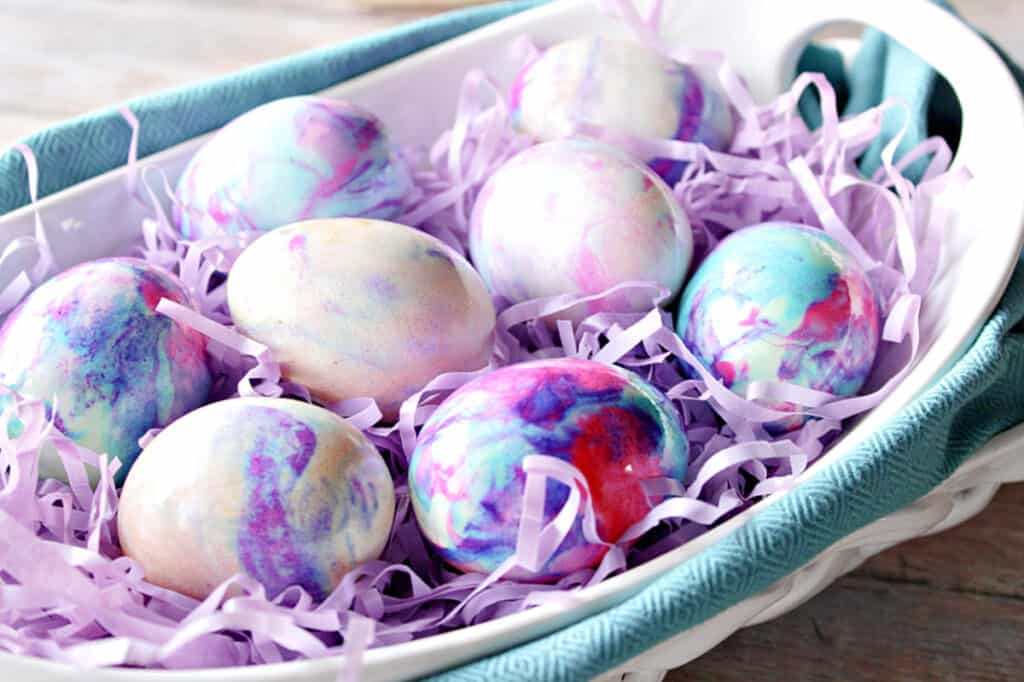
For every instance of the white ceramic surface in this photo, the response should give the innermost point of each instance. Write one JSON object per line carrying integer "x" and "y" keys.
{"x": 762, "y": 40}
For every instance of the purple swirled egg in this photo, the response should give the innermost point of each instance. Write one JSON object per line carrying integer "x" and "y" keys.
{"x": 90, "y": 342}
{"x": 283, "y": 491}
{"x": 578, "y": 217}
{"x": 622, "y": 86}
{"x": 466, "y": 477}
{"x": 782, "y": 302}
{"x": 289, "y": 160}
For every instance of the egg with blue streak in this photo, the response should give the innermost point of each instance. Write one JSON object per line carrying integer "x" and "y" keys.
{"x": 289, "y": 160}
{"x": 90, "y": 342}
{"x": 466, "y": 476}
{"x": 362, "y": 308}
{"x": 622, "y": 86}
{"x": 578, "y": 217}
{"x": 782, "y": 302}
{"x": 280, "y": 490}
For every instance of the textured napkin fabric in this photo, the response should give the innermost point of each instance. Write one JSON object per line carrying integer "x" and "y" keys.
{"x": 978, "y": 398}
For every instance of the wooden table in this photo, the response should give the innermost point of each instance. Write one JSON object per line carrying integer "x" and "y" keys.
{"x": 945, "y": 607}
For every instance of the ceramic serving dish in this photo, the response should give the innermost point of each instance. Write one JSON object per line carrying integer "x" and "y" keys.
{"x": 416, "y": 97}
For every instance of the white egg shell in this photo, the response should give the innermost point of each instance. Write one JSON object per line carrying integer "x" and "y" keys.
{"x": 362, "y": 308}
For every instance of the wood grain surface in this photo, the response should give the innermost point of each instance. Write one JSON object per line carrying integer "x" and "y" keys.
{"x": 948, "y": 607}
{"x": 945, "y": 607}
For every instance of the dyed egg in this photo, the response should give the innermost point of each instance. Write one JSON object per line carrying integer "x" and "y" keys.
{"x": 466, "y": 478}
{"x": 362, "y": 308}
{"x": 90, "y": 341}
{"x": 782, "y": 302}
{"x": 578, "y": 217}
{"x": 622, "y": 86}
{"x": 283, "y": 491}
{"x": 290, "y": 160}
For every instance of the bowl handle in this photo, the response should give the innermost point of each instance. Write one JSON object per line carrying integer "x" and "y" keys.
{"x": 993, "y": 111}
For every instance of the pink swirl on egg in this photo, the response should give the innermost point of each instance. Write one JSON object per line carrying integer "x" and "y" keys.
{"x": 289, "y": 160}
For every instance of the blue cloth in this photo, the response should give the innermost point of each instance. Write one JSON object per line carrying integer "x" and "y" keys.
{"x": 885, "y": 69}
{"x": 977, "y": 398}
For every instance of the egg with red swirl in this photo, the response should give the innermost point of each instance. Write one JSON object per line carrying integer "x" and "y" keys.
{"x": 785, "y": 303}
{"x": 466, "y": 476}
{"x": 292, "y": 159}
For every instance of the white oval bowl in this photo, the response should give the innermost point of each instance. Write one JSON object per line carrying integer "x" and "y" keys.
{"x": 762, "y": 41}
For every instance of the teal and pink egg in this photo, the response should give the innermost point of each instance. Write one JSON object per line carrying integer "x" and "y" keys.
{"x": 280, "y": 490}
{"x": 292, "y": 159}
{"x": 466, "y": 476}
{"x": 90, "y": 342}
{"x": 782, "y": 302}
{"x": 625, "y": 87}
{"x": 578, "y": 217}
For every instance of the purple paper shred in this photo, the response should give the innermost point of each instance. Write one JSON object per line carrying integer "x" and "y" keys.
{"x": 69, "y": 595}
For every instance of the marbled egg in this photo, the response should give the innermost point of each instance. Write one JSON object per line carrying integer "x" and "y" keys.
{"x": 782, "y": 302}
{"x": 362, "y": 308}
{"x": 623, "y": 86}
{"x": 290, "y": 160}
{"x": 91, "y": 341}
{"x": 578, "y": 217}
{"x": 283, "y": 491}
{"x": 466, "y": 478}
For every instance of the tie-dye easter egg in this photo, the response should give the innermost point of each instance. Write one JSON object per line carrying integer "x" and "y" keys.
{"x": 283, "y": 491}
{"x": 782, "y": 302}
{"x": 624, "y": 87}
{"x": 578, "y": 217}
{"x": 290, "y": 160}
{"x": 357, "y": 308}
{"x": 466, "y": 476}
{"x": 90, "y": 341}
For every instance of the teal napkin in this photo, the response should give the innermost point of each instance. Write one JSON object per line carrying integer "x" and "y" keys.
{"x": 885, "y": 69}
{"x": 978, "y": 398}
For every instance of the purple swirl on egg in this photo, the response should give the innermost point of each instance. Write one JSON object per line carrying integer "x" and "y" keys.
{"x": 283, "y": 491}
{"x": 292, "y": 511}
{"x": 705, "y": 117}
{"x": 293, "y": 159}
{"x": 622, "y": 86}
{"x": 466, "y": 476}
{"x": 90, "y": 341}
{"x": 270, "y": 549}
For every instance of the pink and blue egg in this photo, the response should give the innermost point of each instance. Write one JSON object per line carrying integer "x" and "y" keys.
{"x": 280, "y": 490}
{"x": 578, "y": 217}
{"x": 466, "y": 476}
{"x": 289, "y": 160}
{"x": 90, "y": 342}
{"x": 622, "y": 86}
{"x": 782, "y": 302}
